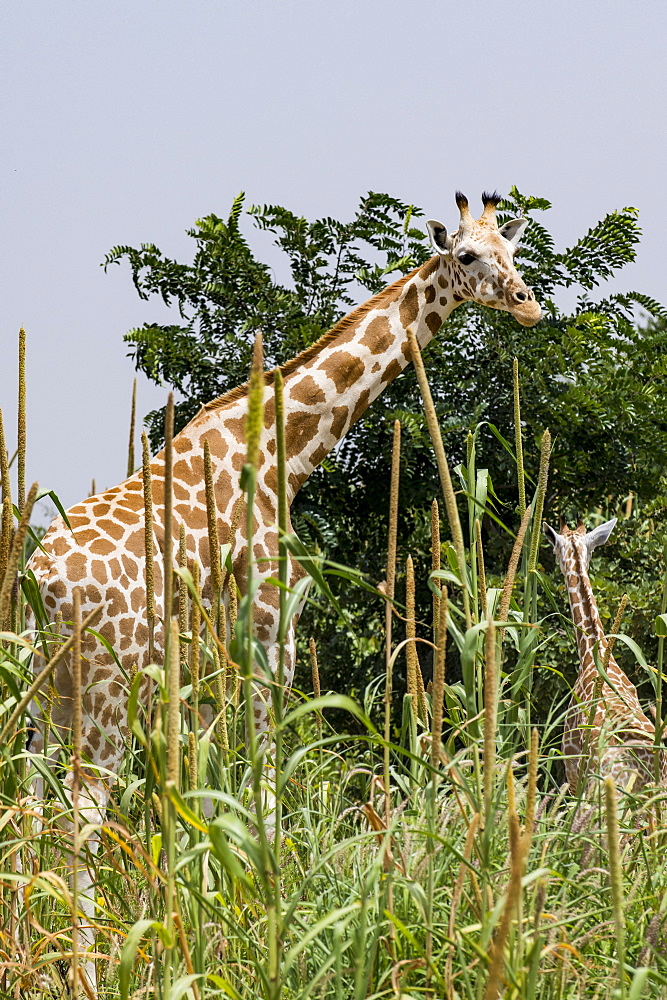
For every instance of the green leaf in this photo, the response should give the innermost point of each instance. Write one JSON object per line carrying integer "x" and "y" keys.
{"x": 127, "y": 955}
{"x": 661, "y": 626}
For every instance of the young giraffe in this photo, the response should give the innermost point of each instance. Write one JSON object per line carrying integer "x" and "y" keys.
{"x": 327, "y": 388}
{"x": 619, "y": 730}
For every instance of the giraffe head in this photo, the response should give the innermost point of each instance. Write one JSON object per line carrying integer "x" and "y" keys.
{"x": 570, "y": 542}
{"x": 481, "y": 258}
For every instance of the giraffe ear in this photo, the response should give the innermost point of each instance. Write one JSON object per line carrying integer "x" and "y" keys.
{"x": 442, "y": 243}
{"x": 513, "y": 230}
{"x": 599, "y": 535}
{"x": 551, "y": 534}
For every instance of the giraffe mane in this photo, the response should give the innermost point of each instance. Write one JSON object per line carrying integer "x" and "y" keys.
{"x": 378, "y": 301}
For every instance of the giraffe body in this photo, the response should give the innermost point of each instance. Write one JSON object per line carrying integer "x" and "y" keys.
{"x": 326, "y": 389}
{"x": 613, "y": 737}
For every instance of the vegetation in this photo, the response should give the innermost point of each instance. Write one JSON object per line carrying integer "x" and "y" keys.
{"x": 589, "y": 372}
{"x": 444, "y": 861}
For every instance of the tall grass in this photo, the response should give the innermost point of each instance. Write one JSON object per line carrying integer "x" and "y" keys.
{"x": 441, "y": 859}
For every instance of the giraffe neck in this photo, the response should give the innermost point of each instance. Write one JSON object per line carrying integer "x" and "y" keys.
{"x": 585, "y": 615}
{"x": 329, "y": 393}
{"x": 331, "y": 384}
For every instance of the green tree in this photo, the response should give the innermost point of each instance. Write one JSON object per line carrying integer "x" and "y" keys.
{"x": 592, "y": 373}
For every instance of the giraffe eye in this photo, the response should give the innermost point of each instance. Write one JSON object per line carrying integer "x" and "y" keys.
{"x": 467, "y": 258}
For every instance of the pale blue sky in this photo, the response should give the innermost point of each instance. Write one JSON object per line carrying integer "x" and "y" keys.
{"x": 123, "y": 122}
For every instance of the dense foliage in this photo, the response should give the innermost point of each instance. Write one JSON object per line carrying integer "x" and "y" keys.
{"x": 589, "y": 371}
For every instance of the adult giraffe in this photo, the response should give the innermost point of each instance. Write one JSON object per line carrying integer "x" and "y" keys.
{"x": 612, "y": 737}
{"x": 326, "y": 390}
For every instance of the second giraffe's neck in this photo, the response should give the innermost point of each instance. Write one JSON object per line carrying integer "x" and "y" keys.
{"x": 347, "y": 369}
{"x": 585, "y": 614}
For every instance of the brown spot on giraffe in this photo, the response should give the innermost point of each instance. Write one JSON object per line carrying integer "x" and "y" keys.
{"x": 340, "y": 415}
{"x": 378, "y": 336}
{"x": 269, "y": 412}
{"x": 76, "y": 566}
{"x": 300, "y": 429}
{"x": 320, "y": 452}
{"x": 182, "y": 445}
{"x": 132, "y": 501}
{"x": 307, "y": 391}
{"x": 433, "y": 321}
{"x": 102, "y": 547}
{"x": 193, "y": 518}
{"x": 235, "y": 426}
{"x": 360, "y": 407}
{"x": 392, "y": 370}
{"x": 217, "y": 444}
{"x": 429, "y": 268}
{"x": 343, "y": 368}
{"x": 409, "y": 307}
{"x": 82, "y": 538}
{"x": 126, "y": 516}
{"x": 112, "y": 528}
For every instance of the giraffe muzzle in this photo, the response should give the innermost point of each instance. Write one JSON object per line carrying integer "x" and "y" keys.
{"x": 525, "y": 309}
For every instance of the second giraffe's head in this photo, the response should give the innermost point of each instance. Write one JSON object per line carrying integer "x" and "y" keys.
{"x": 573, "y": 547}
{"x": 480, "y": 255}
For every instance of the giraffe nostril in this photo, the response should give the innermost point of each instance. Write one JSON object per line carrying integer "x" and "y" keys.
{"x": 520, "y": 296}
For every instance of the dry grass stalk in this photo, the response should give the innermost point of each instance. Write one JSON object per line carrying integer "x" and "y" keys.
{"x": 213, "y": 537}
{"x": 443, "y": 469}
{"x": 531, "y": 792}
{"x": 195, "y": 626}
{"x": 545, "y": 451}
{"x": 392, "y": 536}
{"x": 21, "y": 437}
{"x": 519, "y": 440}
{"x": 221, "y": 698}
{"x": 435, "y": 563}
{"x": 280, "y": 449}
{"x": 168, "y": 506}
{"x": 481, "y": 569}
{"x": 314, "y": 668}
{"x": 315, "y": 674}
{"x": 182, "y": 595}
{"x": 7, "y": 513}
{"x": 236, "y": 518}
{"x": 193, "y": 779}
{"x": 77, "y": 726}
{"x": 174, "y": 706}
{"x": 233, "y": 611}
{"x": 255, "y": 402}
{"x": 438, "y": 691}
{"x": 130, "y": 444}
{"x": 615, "y": 876}
{"x": 411, "y": 633}
{"x": 464, "y": 867}
{"x": 614, "y": 632}
{"x": 15, "y": 552}
{"x": 508, "y": 586}
{"x": 490, "y": 717}
{"x": 149, "y": 569}
{"x": 513, "y": 894}
{"x": 5, "y": 541}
